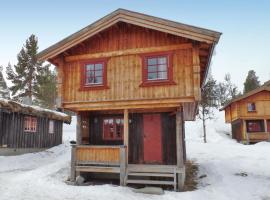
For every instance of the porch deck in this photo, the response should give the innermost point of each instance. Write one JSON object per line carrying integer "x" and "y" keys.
{"x": 113, "y": 159}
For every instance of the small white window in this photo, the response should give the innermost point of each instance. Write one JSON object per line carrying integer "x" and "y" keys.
{"x": 51, "y": 126}
{"x": 251, "y": 107}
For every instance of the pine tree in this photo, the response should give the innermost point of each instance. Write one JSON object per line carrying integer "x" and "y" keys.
{"x": 45, "y": 89}
{"x": 23, "y": 77}
{"x": 4, "y": 92}
{"x": 208, "y": 102}
{"x": 252, "y": 81}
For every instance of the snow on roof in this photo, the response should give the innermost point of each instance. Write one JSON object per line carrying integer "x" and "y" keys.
{"x": 33, "y": 110}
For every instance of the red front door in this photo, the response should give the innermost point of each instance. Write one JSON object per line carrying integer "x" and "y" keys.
{"x": 152, "y": 138}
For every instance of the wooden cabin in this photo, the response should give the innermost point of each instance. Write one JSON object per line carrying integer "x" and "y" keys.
{"x": 249, "y": 115}
{"x": 133, "y": 81}
{"x": 25, "y": 129}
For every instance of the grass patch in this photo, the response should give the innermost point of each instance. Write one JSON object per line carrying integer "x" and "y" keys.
{"x": 191, "y": 181}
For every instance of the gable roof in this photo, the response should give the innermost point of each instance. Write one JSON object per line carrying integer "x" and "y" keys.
{"x": 13, "y": 106}
{"x": 264, "y": 87}
{"x": 139, "y": 19}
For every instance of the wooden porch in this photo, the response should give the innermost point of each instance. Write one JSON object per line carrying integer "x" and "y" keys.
{"x": 115, "y": 159}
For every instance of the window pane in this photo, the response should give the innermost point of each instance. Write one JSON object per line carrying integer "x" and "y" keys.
{"x": 162, "y": 75}
{"x": 162, "y": 67}
{"x": 98, "y": 66}
{"x": 98, "y": 73}
{"x": 90, "y": 79}
{"x": 89, "y": 67}
{"x": 162, "y": 60}
{"x": 98, "y": 79}
{"x": 152, "y": 68}
{"x": 89, "y": 73}
{"x": 151, "y": 61}
{"x": 152, "y": 76}
{"x": 251, "y": 107}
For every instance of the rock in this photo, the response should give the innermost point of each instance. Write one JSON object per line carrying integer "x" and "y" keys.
{"x": 244, "y": 174}
{"x": 150, "y": 190}
{"x": 79, "y": 180}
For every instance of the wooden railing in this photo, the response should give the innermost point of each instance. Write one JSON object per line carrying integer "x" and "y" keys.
{"x": 99, "y": 155}
{"x": 259, "y": 136}
{"x": 93, "y": 156}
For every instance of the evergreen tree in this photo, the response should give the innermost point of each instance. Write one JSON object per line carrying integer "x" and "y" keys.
{"x": 23, "y": 77}
{"x": 4, "y": 92}
{"x": 208, "y": 102}
{"x": 45, "y": 89}
{"x": 252, "y": 81}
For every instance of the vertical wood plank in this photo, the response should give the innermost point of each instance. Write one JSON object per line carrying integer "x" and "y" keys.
{"x": 73, "y": 163}
{"x": 179, "y": 147}
{"x": 123, "y": 165}
{"x": 79, "y": 129}
{"x": 126, "y": 131}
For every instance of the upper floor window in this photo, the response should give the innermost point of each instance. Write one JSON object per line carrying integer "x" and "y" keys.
{"x": 30, "y": 124}
{"x": 51, "y": 126}
{"x": 113, "y": 128}
{"x": 251, "y": 107}
{"x": 157, "y": 69}
{"x": 94, "y": 75}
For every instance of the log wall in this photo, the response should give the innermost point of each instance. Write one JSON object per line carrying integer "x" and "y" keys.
{"x": 12, "y": 133}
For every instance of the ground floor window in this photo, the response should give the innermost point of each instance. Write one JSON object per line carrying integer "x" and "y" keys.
{"x": 30, "y": 124}
{"x": 113, "y": 128}
{"x": 255, "y": 126}
{"x": 268, "y": 125}
{"x": 51, "y": 126}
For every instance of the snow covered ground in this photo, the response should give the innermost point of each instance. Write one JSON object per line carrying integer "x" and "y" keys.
{"x": 41, "y": 175}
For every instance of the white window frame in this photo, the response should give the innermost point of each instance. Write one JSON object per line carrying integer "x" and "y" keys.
{"x": 51, "y": 126}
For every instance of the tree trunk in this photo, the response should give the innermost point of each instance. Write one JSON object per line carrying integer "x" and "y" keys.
{"x": 204, "y": 129}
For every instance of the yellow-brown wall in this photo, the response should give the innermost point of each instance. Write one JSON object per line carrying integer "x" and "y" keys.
{"x": 124, "y": 72}
{"x": 238, "y": 110}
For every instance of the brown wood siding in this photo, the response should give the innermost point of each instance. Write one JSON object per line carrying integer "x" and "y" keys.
{"x": 262, "y": 103}
{"x": 12, "y": 132}
{"x": 124, "y": 76}
{"x": 125, "y": 36}
{"x": 238, "y": 109}
{"x": 124, "y": 71}
{"x": 237, "y": 130}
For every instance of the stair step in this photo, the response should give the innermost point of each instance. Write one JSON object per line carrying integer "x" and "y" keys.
{"x": 152, "y": 174}
{"x": 151, "y": 182}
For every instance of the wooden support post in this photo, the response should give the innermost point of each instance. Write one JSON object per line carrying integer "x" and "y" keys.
{"x": 245, "y": 133}
{"x": 123, "y": 165}
{"x": 79, "y": 129}
{"x": 126, "y": 123}
{"x": 73, "y": 163}
{"x": 265, "y": 129}
{"x": 179, "y": 148}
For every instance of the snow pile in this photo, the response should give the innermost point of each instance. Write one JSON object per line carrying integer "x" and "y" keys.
{"x": 216, "y": 129}
{"x": 69, "y": 130}
{"x": 233, "y": 171}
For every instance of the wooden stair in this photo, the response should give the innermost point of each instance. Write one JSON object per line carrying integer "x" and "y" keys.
{"x": 151, "y": 175}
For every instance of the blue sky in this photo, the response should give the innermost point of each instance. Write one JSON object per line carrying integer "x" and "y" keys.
{"x": 245, "y": 25}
